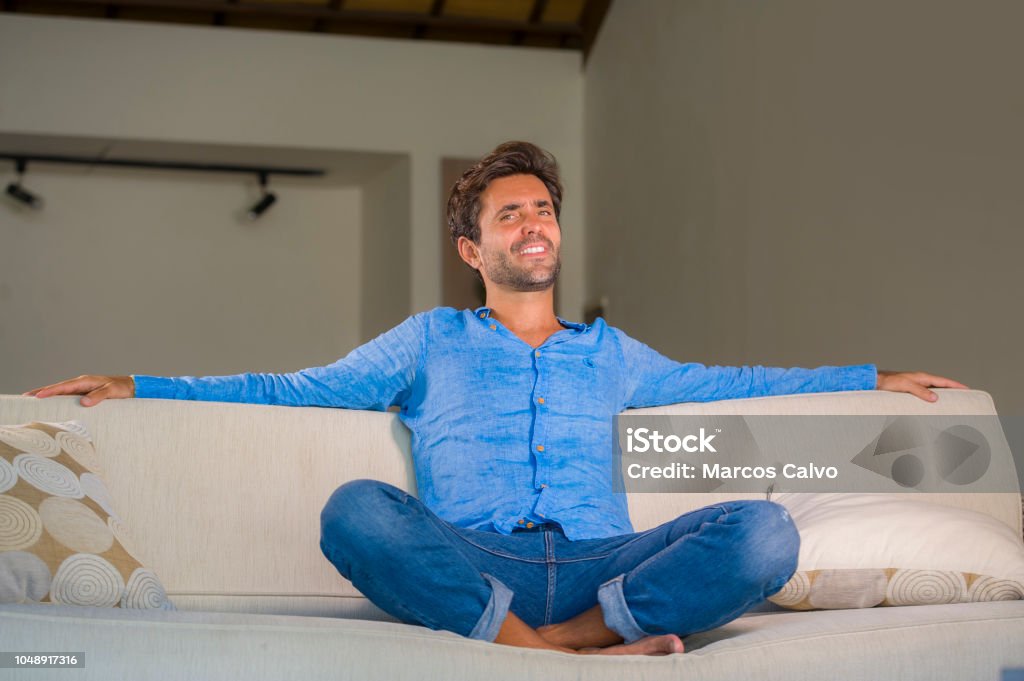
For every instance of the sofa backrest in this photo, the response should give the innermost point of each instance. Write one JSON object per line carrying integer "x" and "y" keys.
{"x": 223, "y": 500}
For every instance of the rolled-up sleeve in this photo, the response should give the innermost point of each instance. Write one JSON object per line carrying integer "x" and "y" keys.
{"x": 373, "y": 376}
{"x": 655, "y": 380}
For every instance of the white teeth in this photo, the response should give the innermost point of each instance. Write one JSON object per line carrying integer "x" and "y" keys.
{"x": 532, "y": 249}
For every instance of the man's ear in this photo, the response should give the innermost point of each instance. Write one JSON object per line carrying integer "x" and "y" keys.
{"x": 469, "y": 252}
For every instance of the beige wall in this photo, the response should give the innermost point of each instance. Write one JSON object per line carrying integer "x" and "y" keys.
{"x": 193, "y": 86}
{"x": 803, "y": 182}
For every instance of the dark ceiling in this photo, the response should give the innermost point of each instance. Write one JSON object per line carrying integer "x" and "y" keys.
{"x": 563, "y": 24}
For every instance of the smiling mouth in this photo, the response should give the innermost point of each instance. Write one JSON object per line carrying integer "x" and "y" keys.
{"x": 535, "y": 248}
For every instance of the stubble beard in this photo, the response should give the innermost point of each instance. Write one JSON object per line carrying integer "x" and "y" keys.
{"x": 503, "y": 272}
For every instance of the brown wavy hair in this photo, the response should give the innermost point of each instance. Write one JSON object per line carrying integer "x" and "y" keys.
{"x": 510, "y": 158}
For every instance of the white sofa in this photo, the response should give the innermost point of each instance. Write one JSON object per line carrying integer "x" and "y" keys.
{"x": 223, "y": 501}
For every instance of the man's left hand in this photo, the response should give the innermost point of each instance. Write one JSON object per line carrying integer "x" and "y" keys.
{"x": 915, "y": 383}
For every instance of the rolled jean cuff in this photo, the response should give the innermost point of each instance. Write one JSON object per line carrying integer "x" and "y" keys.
{"x": 494, "y": 615}
{"x": 617, "y": 616}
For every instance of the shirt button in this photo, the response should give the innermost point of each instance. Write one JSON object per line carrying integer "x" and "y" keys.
{"x": 529, "y": 524}
{"x": 540, "y": 515}
{"x": 540, "y": 448}
{"x": 537, "y": 353}
{"x": 493, "y": 327}
{"x": 540, "y": 400}
{"x": 482, "y": 315}
{"x": 521, "y": 521}
{"x": 543, "y": 486}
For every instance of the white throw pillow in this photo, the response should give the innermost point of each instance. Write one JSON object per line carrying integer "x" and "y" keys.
{"x": 862, "y": 550}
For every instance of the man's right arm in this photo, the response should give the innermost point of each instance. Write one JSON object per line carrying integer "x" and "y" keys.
{"x": 372, "y": 376}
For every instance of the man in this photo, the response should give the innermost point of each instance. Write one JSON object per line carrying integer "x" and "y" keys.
{"x": 519, "y": 538}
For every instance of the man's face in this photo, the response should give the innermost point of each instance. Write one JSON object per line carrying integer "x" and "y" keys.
{"x": 519, "y": 236}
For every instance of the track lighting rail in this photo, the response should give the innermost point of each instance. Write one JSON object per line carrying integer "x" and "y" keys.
{"x": 164, "y": 165}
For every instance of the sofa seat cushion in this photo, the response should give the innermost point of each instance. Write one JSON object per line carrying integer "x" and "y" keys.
{"x": 354, "y": 606}
{"x": 934, "y": 642}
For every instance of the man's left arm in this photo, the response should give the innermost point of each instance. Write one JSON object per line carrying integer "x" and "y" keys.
{"x": 656, "y": 380}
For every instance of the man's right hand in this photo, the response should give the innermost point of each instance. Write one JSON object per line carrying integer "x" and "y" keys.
{"x": 95, "y": 388}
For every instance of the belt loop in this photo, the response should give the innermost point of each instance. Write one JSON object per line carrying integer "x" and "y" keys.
{"x": 539, "y": 527}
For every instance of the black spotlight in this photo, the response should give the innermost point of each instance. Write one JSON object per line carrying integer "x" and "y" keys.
{"x": 19, "y": 193}
{"x": 261, "y": 206}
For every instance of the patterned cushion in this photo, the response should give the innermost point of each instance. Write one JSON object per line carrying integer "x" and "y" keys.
{"x": 61, "y": 540}
{"x": 863, "y": 550}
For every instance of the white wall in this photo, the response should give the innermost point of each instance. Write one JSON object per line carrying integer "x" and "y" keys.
{"x": 197, "y": 84}
{"x": 157, "y": 273}
{"x": 385, "y": 250}
{"x": 804, "y": 182}
{"x": 193, "y": 85}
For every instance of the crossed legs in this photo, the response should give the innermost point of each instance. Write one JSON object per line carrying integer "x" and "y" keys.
{"x": 691, "y": 574}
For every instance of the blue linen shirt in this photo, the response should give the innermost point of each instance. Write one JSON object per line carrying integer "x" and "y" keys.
{"x": 505, "y": 434}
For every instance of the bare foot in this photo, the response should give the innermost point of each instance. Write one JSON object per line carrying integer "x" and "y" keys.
{"x": 515, "y": 632}
{"x": 666, "y": 644}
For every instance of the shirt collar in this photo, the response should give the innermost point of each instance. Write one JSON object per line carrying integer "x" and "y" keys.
{"x": 578, "y": 326}
{"x": 484, "y": 312}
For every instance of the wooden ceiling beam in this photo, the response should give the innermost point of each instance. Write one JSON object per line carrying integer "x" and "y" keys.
{"x": 341, "y": 15}
{"x": 436, "y": 10}
{"x": 219, "y": 19}
{"x": 536, "y": 13}
{"x": 321, "y": 24}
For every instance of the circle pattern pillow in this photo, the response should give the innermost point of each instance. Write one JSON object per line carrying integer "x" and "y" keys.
{"x": 61, "y": 540}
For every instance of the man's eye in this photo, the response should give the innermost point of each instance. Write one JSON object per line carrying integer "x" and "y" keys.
{"x": 507, "y": 216}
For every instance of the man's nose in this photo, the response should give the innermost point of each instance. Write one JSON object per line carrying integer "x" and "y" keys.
{"x": 532, "y": 224}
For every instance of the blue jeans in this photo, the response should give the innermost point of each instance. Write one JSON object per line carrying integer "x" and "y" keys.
{"x": 691, "y": 574}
